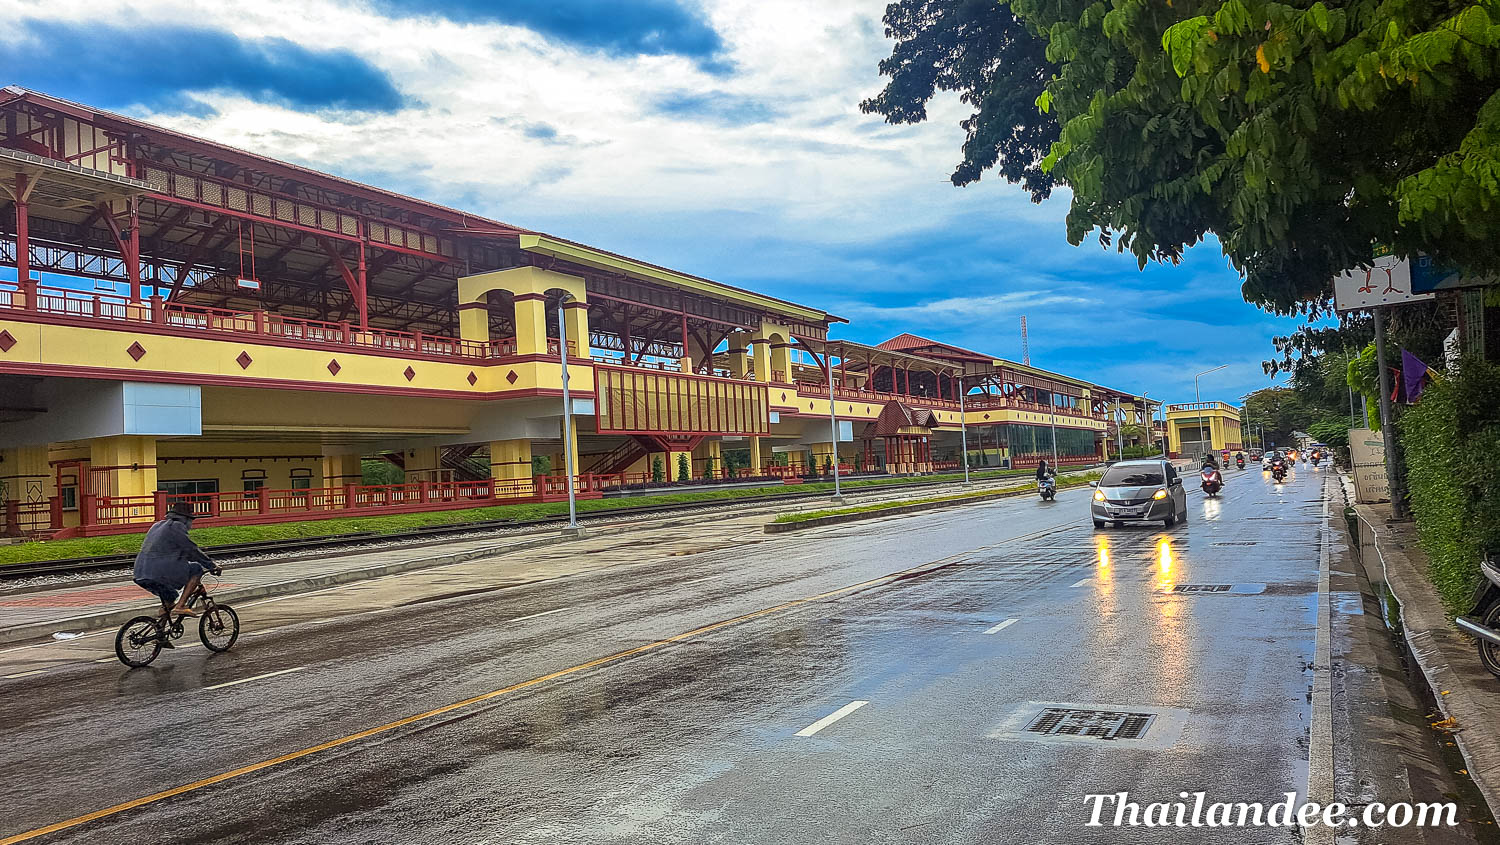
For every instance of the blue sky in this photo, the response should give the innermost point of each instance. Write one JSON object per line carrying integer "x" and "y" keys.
{"x": 719, "y": 137}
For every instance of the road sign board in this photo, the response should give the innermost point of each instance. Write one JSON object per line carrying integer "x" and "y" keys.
{"x": 1386, "y": 282}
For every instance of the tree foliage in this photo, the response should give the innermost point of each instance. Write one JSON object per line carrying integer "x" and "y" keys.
{"x": 978, "y": 49}
{"x": 1299, "y": 134}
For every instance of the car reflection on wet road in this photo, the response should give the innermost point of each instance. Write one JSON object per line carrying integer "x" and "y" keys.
{"x": 1018, "y": 662}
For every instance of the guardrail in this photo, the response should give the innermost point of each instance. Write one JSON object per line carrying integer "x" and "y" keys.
{"x": 125, "y": 514}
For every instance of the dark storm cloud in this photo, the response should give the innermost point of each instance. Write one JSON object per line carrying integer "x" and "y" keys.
{"x": 161, "y": 67}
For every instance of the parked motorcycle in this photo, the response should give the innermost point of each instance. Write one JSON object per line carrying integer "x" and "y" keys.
{"x": 1213, "y": 482}
{"x": 1484, "y": 621}
{"x": 1048, "y": 488}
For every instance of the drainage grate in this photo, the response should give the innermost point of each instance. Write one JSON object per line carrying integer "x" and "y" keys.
{"x": 1202, "y": 588}
{"x": 1235, "y": 543}
{"x": 1262, "y": 517}
{"x": 1094, "y": 724}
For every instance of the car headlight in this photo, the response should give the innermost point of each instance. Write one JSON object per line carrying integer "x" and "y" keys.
{"x": 1098, "y": 495}
{"x": 1160, "y": 494}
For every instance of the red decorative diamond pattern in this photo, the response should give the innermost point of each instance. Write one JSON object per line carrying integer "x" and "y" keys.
{"x": 473, "y": 379}
{"x": 7, "y": 340}
{"x": 511, "y": 376}
{"x": 333, "y": 367}
{"x": 409, "y": 373}
{"x": 244, "y": 360}
{"x": 136, "y": 351}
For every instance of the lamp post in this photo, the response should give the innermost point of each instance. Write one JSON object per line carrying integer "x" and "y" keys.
{"x": 1198, "y": 400}
{"x": 572, "y": 529}
{"x": 963, "y": 427}
{"x": 833, "y": 423}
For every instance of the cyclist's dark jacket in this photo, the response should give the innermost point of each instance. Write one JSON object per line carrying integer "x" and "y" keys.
{"x": 167, "y": 556}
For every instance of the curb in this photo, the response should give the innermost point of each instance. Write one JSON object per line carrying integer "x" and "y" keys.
{"x": 1438, "y": 649}
{"x": 109, "y": 619}
{"x": 894, "y": 510}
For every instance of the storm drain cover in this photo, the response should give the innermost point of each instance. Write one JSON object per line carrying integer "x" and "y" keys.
{"x": 1095, "y": 724}
{"x": 1262, "y": 517}
{"x": 1236, "y": 543}
{"x": 1202, "y": 588}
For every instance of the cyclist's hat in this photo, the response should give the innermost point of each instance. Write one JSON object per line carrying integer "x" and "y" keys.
{"x": 183, "y": 509}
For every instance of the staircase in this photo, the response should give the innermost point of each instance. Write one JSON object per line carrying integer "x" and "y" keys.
{"x": 616, "y": 460}
{"x": 460, "y": 459}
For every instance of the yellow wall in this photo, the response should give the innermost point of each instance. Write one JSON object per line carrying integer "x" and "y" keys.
{"x": 215, "y": 357}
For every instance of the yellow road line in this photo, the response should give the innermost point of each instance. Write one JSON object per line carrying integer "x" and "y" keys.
{"x": 449, "y": 708}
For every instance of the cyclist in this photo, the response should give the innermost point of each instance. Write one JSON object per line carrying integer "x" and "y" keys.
{"x": 169, "y": 562}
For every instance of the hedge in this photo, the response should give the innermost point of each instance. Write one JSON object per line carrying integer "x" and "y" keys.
{"x": 1451, "y": 441}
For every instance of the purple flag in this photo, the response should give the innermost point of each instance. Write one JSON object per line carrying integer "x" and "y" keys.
{"x": 1413, "y": 375}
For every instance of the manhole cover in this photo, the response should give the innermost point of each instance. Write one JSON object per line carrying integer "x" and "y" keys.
{"x": 1236, "y": 543}
{"x": 1095, "y": 724}
{"x": 1202, "y": 588}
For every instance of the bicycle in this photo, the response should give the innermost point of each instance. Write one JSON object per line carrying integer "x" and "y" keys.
{"x": 140, "y": 640}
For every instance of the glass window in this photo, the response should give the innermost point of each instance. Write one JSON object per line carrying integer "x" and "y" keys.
{"x": 252, "y": 484}
{"x": 301, "y": 483}
{"x": 1132, "y": 476}
{"x": 185, "y": 488}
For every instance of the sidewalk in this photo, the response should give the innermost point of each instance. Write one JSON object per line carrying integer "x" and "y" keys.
{"x": 1464, "y": 691}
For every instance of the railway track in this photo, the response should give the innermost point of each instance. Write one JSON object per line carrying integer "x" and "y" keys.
{"x": 418, "y": 536}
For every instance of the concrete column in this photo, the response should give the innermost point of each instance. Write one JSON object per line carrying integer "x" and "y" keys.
{"x": 760, "y": 350}
{"x": 781, "y": 359}
{"x": 757, "y": 457}
{"x": 576, "y": 319}
{"x": 738, "y": 353}
{"x": 510, "y": 460}
{"x": 25, "y": 475}
{"x": 531, "y": 324}
{"x": 474, "y": 322}
{"x": 339, "y": 470}
{"x": 422, "y": 464}
{"x": 123, "y": 465}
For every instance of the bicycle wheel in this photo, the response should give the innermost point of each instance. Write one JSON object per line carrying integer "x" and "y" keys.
{"x": 219, "y": 627}
{"x": 138, "y": 642}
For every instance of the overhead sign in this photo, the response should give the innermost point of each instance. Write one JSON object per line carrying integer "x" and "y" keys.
{"x": 1367, "y": 454}
{"x": 1387, "y": 281}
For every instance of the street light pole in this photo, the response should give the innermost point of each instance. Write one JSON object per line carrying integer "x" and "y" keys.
{"x": 562, "y": 354}
{"x": 833, "y": 424}
{"x": 1398, "y": 496}
{"x": 963, "y": 428}
{"x": 1198, "y": 400}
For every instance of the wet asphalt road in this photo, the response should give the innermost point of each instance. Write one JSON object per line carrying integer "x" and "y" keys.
{"x": 696, "y": 740}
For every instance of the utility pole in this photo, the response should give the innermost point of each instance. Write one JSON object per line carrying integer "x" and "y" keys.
{"x": 1387, "y": 434}
{"x": 1198, "y": 400}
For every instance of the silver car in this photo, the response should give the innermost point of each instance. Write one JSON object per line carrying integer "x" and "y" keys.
{"x": 1139, "y": 491}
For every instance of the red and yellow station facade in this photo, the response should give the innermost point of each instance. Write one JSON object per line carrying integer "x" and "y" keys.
{"x": 188, "y": 321}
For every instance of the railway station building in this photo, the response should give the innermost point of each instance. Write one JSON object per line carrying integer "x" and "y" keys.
{"x": 185, "y": 321}
{"x": 1196, "y": 428}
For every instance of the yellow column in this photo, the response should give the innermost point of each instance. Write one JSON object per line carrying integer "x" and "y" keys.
{"x": 576, "y": 319}
{"x": 757, "y": 460}
{"x": 422, "y": 464}
{"x": 123, "y": 465}
{"x": 510, "y": 460}
{"x": 25, "y": 475}
{"x": 760, "y": 350}
{"x": 781, "y": 359}
{"x": 339, "y": 470}
{"x": 738, "y": 343}
{"x": 474, "y": 322}
{"x": 531, "y": 324}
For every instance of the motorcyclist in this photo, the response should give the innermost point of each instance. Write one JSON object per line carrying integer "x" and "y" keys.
{"x": 1043, "y": 471}
{"x": 1239, "y": 459}
{"x": 1210, "y": 461}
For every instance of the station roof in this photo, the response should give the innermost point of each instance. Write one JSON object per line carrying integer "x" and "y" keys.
{"x": 979, "y": 362}
{"x": 878, "y": 356}
{"x": 447, "y": 220}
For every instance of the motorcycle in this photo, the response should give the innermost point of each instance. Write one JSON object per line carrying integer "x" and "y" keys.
{"x": 1484, "y": 621}
{"x": 1239, "y": 462}
{"x": 1048, "y": 488}
{"x": 1212, "y": 481}
{"x": 1278, "y": 470}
